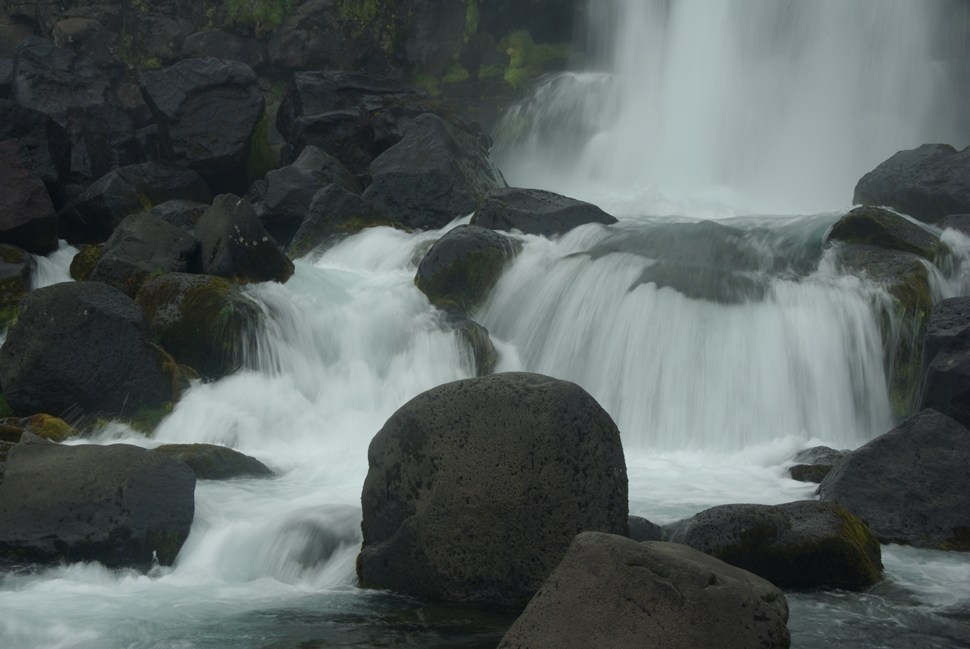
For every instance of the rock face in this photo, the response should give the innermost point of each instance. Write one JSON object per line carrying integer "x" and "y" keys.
{"x": 210, "y": 462}
{"x": 878, "y": 227}
{"x": 434, "y": 175}
{"x": 215, "y": 143}
{"x": 946, "y": 387}
{"x": 335, "y": 211}
{"x": 804, "y": 544}
{"x": 94, "y": 215}
{"x": 911, "y": 485}
{"x": 533, "y": 211}
{"x": 83, "y": 348}
{"x": 289, "y": 191}
{"x": 27, "y": 217}
{"x": 236, "y": 245}
{"x": 950, "y": 317}
{"x": 203, "y": 321}
{"x": 47, "y": 143}
{"x": 927, "y": 183}
{"x": 119, "y": 504}
{"x": 614, "y": 592}
{"x": 476, "y": 488}
{"x": 462, "y": 267}
{"x": 144, "y": 245}
{"x": 643, "y": 530}
{"x": 79, "y": 98}
{"x": 180, "y": 213}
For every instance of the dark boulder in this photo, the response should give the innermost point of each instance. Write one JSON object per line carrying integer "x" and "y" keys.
{"x": 211, "y": 462}
{"x": 94, "y": 215}
{"x": 436, "y": 174}
{"x": 911, "y": 485}
{"x": 334, "y": 211}
{"x": 203, "y": 321}
{"x": 16, "y": 277}
{"x": 83, "y": 348}
{"x": 180, "y": 213}
{"x": 145, "y": 245}
{"x": 208, "y": 111}
{"x": 874, "y": 226}
{"x": 613, "y": 592}
{"x": 476, "y": 488}
{"x": 84, "y": 262}
{"x": 27, "y": 217}
{"x": 120, "y": 505}
{"x": 47, "y": 143}
{"x": 533, "y": 211}
{"x": 805, "y": 544}
{"x": 44, "y": 426}
{"x": 6, "y": 78}
{"x": 946, "y": 387}
{"x": 643, "y": 530}
{"x": 813, "y": 473}
{"x": 950, "y": 317}
{"x": 462, "y": 267}
{"x": 153, "y": 36}
{"x": 236, "y": 245}
{"x": 79, "y": 97}
{"x": 287, "y": 193}
{"x": 225, "y": 44}
{"x": 958, "y": 222}
{"x": 87, "y": 38}
{"x": 815, "y": 463}
{"x": 927, "y": 183}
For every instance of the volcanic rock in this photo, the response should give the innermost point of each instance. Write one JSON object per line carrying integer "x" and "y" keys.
{"x": 533, "y": 211}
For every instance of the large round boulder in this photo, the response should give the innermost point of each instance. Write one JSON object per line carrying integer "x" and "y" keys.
{"x": 911, "y": 485}
{"x": 120, "y": 505}
{"x": 462, "y": 267}
{"x": 533, "y": 211}
{"x": 203, "y": 321}
{"x": 805, "y": 544}
{"x": 927, "y": 183}
{"x": 84, "y": 348}
{"x": 875, "y": 226}
{"x": 476, "y": 488}
{"x": 615, "y": 593}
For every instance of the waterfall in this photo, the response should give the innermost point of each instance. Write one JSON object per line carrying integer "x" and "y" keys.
{"x": 770, "y": 106}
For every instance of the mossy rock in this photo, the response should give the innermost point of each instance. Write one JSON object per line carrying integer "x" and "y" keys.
{"x": 801, "y": 544}
{"x": 203, "y": 321}
{"x": 809, "y": 472}
{"x": 85, "y": 260}
{"x": 462, "y": 267}
{"x": 483, "y": 357}
{"x": 44, "y": 426}
{"x": 16, "y": 273}
{"x": 216, "y": 462}
{"x": 874, "y": 226}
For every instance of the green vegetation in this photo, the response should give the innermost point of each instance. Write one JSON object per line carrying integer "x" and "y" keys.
{"x": 363, "y": 11}
{"x": 260, "y": 14}
{"x": 456, "y": 74}
{"x": 153, "y": 63}
{"x": 5, "y": 409}
{"x": 84, "y": 262}
{"x": 528, "y": 58}
{"x": 261, "y": 157}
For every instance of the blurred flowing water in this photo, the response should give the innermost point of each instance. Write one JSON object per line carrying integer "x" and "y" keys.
{"x": 711, "y": 323}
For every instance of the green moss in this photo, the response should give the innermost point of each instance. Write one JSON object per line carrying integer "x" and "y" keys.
{"x": 261, "y": 157}
{"x": 456, "y": 74}
{"x": 52, "y": 428}
{"x": 262, "y": 15}
{"x": 428, "y": 83}
{"x": 5, "y": 409}
{"x": 959, "y": 541}
{"x": 146, "y": 420}
{"x": 364, "y": 11}
{"x": 528, "y": 59}
{"x": 84, "y": 262}
{"x": 472, "y": 19}
{"x": 913, "y": 305}
{"x": 153, "y": 64}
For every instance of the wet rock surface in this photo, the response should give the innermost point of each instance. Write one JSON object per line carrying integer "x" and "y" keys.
{"x": 533, "y": 211}
{"x": 334, "y": 211}
{"x": 210, "y": 462}
{"x": 874, "y": 226}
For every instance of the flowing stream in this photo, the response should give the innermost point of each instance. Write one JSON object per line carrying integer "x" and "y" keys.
{"x": 711, "y": 323}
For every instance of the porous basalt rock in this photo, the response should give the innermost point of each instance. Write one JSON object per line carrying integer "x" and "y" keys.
{"x": 533, "y": 211}
{"x": 210, "y": 462}
{"x": 805, "y": 544}
{"x": 613, "y": 592}
{"x": 476, "y": 488}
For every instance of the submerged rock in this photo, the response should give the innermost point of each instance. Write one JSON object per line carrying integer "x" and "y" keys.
{"x": 476, "y": 488}
{"x": 120, "y": 505}
{"x": 805, "y": 544}
{"x": 533, "y": 211}
{"x": 483, "y": 357}
{"x": 210, "y": 462}
{"x": 926, "y": 183}
{"x": 613, "y": 592}
{"x": 911, "y": 485}
{"x": 878, "y": 227}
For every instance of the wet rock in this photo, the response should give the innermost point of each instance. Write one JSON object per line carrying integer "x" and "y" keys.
{"x": 94, "y": 215}
{"x": 959, "y": 222}
{"x": 815, "y": 463}
{"x": 946, "y": 387}
{"x": 224, "y": 44}
{"x": 41, "y": 425}
{"x": 874, "y": 226}
{"x": 211, "y": 462}
{"x": 4, "y": 449}
{"x": 203, "y": 321}
{"x": 215, "y": 142}
{"x": 236, "y": 245}
{"x": 334, "y": 211}
{"x": 120, "y": 505}
{"x": 6, "y": 78}
{"x": 46, "y": 142}
{"x": 805, "y": 544}
{"x": 79, "y": 97}
{"x": 87, "y": 38}
{"x": 910, "y": 485}
{"x": 435, "y": 174}
{"x": 145, "y": 245}
{"x": 814, "y": 473}
{"x": 926, "y": 183}
{"x": 476, "y": 488}
{"x": 180, "y": 213}
{"x": 462, "y": 267}
{"x": 287, "y": 192}
{"x": 482, "y": 358}
{"x": 611, "y": 591}
{"x": 950, "y": 317}
{"x": 643, "y": 530}
{"x": 27, "y": 218}
{"x": 83, "y": 348}
{"x": 533, "y": 211}
{"x": 16, "y": 277}
{"x": 84, "y": 262}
